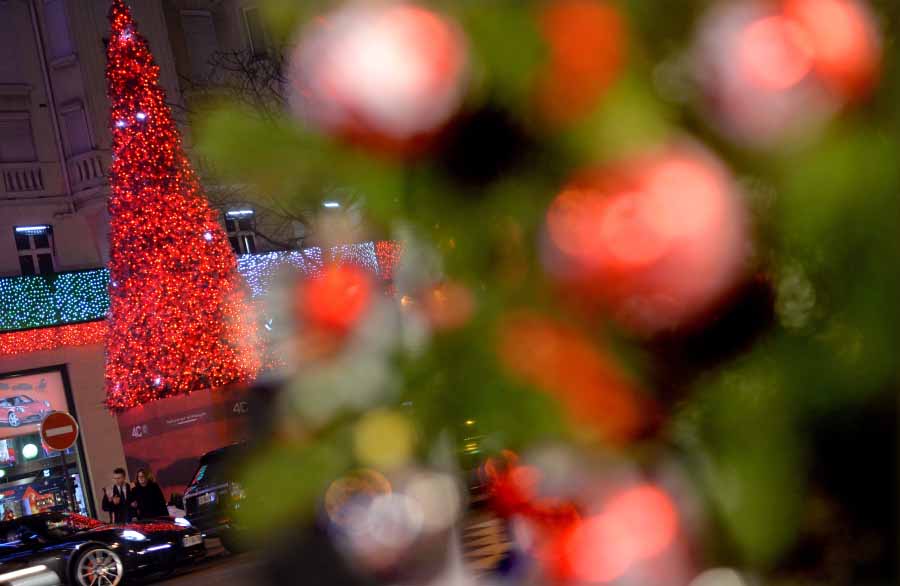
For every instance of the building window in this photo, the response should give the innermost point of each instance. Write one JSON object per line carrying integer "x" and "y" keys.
{"x": 35, "y": 247}
{"x": 200, "y": 37}
{"x": 239, "y": 224}
{"x": 16, "y": 139}
{"x": 78, "y": 137}
{"x": 256, "y": 32}
{"x": 59, "y": 40}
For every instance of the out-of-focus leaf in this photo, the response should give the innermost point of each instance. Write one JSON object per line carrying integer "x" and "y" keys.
{"x": 628, "y": 118}
{"x": 277, "y": 158}
{"x": 750, "y": 458}
{"x": 284, "y": 17}
{"x": 286, "y": 480}
{"x": 827, "y": 190}
{"x": 506, "y": 47}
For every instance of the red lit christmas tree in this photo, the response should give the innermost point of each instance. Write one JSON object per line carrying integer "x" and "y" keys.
{"x": 178, "y": 320}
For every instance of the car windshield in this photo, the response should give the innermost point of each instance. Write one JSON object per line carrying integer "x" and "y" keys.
{"x": 214, "y": 469}
{"x": 211, "y": 471}
{"x": 25, "y": 400}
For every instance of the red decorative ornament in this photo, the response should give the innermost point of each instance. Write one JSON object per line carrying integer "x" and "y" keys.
{"x": 448, "y": 306}
{"x": 384, "y": 75}
{"x": 776, "y": 72}
{"x": 633, "y": 526}
{"x": 336, "y": 299}
{"x": 587, "y": 381}
{"x": 587, "y": 42}
{"x": 655, "y": 240}
{"x": 843, "y": 40}
{"x": 178, "y": 320}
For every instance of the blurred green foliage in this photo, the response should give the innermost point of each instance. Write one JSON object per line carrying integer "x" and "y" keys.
{"x": 833, "y": 221}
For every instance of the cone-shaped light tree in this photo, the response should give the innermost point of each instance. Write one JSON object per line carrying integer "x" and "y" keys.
{"x": 178, "y": 319}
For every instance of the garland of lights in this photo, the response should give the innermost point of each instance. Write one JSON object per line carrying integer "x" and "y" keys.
{"x": 178, "y": 318}
{"x": 27, "y": 302}
{"x": 47, "y": 300}
{"x": 50, "y": 300}
{"x": 81, "y": 296}
{"x": 260, "y": 270}
{"x": 23, "y": 342}
{"x": 361, "y": 255}
{"x": 387, "y": 253}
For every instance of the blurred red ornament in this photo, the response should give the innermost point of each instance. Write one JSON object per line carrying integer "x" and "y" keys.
{"x": 385, "y": 75}
{"x": 562, "y": 361}
{"x": 775, "y": 53}
{"x": 633, "y": 526}
{"x": 449, "y": 305}
{"x": 337, "y": 299}
{"x": 513, "y": 492}
{"x": 587, "y": 41}
{"x": 657, "y": 239}
{"x": 844, "y": 42}
{"x": 774, "y": 72}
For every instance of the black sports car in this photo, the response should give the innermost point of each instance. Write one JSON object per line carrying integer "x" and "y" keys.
{"x": 87, "y": 552}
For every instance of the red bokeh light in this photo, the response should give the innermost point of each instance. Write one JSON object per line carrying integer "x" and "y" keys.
{"x": 587, "y": 42}
{"x": 635, "y": 525}
{"x": 656, "y": 239}
{"x": 448, "y": 306}
{"x": 775, "y": 53}
{"x": 562, "y": 361}
{"x": 844, "y": 42}
{"x": 775, "y": 72}
{"x": 387, "y": 76}
{"x": 335, "y": 300}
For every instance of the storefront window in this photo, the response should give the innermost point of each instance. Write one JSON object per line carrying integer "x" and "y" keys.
{"x": 34, "y": 479}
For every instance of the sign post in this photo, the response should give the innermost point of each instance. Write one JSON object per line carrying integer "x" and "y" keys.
{"x": 59, "y": 430}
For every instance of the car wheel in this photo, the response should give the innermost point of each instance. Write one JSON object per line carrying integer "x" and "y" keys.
{"x": 97, "y": 566}
{"x": 13, "y": 419}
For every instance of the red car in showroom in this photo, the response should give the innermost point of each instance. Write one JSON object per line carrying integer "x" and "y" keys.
{"x": 21, "y": 409}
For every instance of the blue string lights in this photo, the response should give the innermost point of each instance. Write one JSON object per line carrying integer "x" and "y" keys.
{"x": 81, "y": 296}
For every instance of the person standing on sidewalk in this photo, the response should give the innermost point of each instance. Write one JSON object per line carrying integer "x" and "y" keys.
{"x": 117, "y": 499}
{"x": 148, "y": 497}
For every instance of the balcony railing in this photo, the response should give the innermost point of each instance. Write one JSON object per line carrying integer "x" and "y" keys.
{"x": 23, "y": 179}
{"x": 87, "y": 170}
{"x": 30, "y": 179}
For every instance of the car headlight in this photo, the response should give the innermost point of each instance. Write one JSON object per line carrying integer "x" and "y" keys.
{"x": 20, "y": 409}
{"x": 47, "y": 404}
{"x": 182, "y": 522}
{"x": 131, "y": 535}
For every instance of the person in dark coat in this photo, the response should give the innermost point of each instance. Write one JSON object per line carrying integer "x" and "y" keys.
{"x": 148, "y": 497}
{"x": 117, "y": 498}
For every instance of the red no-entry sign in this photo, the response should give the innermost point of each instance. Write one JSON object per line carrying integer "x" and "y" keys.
{"x": 59, "y": 430}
